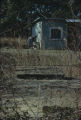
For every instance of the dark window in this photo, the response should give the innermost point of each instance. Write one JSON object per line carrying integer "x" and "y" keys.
{"x": 55, "y": 33}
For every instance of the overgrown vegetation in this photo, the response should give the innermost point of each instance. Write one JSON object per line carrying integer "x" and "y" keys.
{"x": 7, "y": 66}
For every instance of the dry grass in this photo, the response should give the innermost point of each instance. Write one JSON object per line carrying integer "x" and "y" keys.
{"x": 68, "y": 61}
{"x": 12, "y": 42}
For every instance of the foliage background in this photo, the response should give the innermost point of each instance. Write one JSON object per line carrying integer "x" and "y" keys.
{"x": 16, "y": 15}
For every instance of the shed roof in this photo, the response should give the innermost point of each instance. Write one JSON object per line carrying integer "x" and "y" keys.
{"x": 73, "y": 20}
{"x": 58, "y": 19}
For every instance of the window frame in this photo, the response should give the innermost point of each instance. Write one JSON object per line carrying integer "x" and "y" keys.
{"x": 61, "y": 30}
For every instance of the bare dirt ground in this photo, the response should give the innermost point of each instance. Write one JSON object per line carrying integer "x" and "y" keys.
{"x": 32, "y": 95}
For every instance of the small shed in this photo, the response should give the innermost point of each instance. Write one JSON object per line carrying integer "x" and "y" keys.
{"x": 52, "y": 33}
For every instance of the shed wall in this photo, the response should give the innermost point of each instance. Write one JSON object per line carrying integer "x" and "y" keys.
{"x": 54, "y": 44}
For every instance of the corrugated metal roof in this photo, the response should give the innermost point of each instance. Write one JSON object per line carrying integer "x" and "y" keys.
{"x": 67, "y": 20}
{"x": 73, "y": 20}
